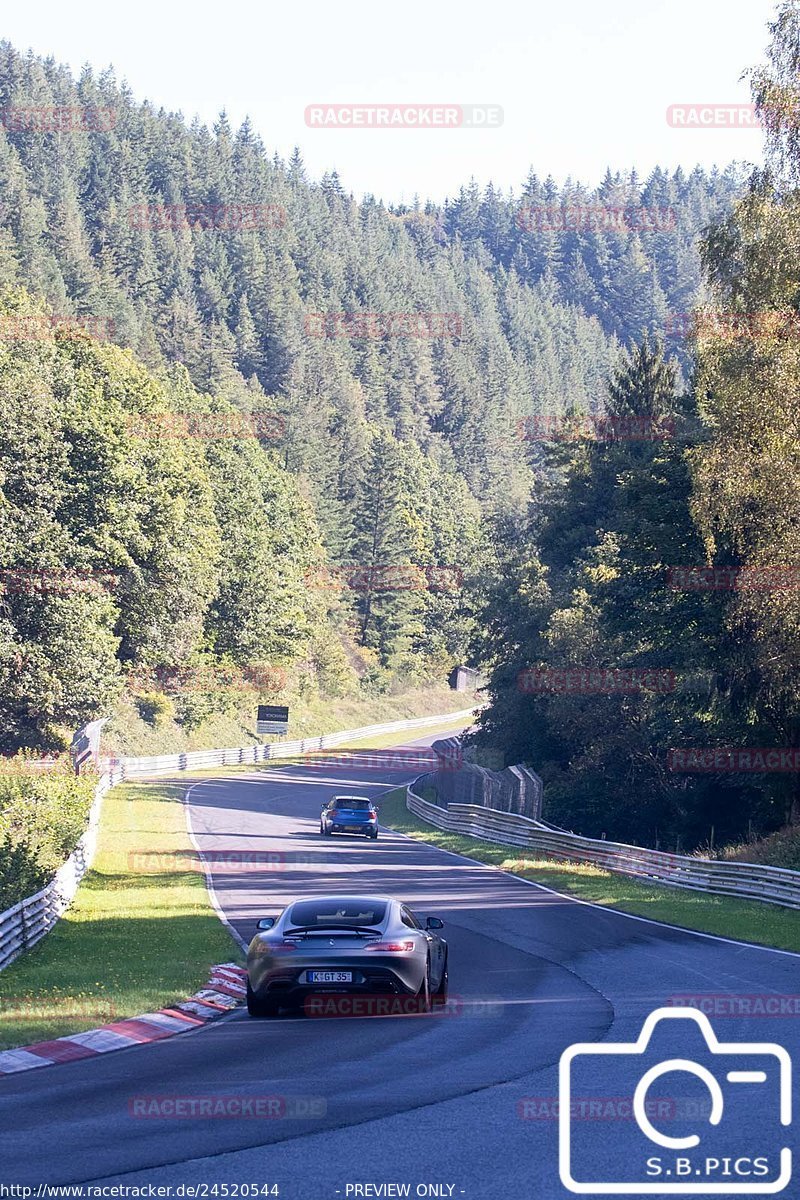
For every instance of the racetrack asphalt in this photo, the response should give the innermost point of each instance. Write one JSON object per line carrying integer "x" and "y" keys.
{"x": 465, "y": 1099}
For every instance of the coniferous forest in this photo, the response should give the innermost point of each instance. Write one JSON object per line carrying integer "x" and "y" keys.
{"x": 267, "y": 427}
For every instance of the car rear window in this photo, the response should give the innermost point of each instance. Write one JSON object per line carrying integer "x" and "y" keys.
{"x": 344, "y": 802}
{"x": 319, "y": 913}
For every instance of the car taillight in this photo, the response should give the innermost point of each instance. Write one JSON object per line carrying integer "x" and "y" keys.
{"x": 372, "y": 815}
{"x": 391, "y": 947}
{"x": 282, "y": 947}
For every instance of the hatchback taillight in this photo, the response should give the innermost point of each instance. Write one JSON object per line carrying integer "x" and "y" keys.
{"x": 372, "y": 815}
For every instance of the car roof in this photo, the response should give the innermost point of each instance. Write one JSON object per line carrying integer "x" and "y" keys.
{"x": 356, "y": 898}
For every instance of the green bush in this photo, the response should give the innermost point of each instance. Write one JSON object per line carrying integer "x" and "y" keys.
{"x": 20, "y": 873}
{"x": 42, "y": 816}
{"x": 781, "y": 849}
{"x": 377, "y": 681}
{"x": 155, "y": 708}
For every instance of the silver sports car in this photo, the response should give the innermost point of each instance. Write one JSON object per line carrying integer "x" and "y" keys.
{"x": 340, "y": 946}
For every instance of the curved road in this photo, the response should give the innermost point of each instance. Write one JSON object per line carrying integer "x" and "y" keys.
{"x": 462, "y": 1100}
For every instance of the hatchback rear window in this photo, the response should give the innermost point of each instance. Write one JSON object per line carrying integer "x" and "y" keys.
{"x": 317, "y": 914}
{"x": 358, "y": 804}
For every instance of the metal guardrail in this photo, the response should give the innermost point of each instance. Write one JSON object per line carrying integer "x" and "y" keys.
{"x": 25, "y": 923}
{"x": 130, "y": 768}
{"x": 748, "y": 881}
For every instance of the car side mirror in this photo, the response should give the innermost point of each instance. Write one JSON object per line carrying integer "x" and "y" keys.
{"x": 434, "y": 923}
{"x": 266, "y": 923}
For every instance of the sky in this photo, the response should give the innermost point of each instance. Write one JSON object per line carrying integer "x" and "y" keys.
{"x": 582, "y": 84}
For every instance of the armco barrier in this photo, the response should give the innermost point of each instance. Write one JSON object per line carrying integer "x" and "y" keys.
{"x": 130, "y": 768}
{"x": 22, "y": 925}
{"x": 748, "y": 881}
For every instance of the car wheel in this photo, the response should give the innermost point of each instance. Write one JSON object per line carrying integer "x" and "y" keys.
{"x": 424, "y": 993}
{"x": 440, "y": 995}
{"x": 373, "y": 836}
{"x": 260, "y": 1008}
{"x": 326, "y": 831}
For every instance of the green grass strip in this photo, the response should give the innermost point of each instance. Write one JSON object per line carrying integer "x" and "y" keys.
{"x": 744, "y": 920}
{"x": 141, "y": 933}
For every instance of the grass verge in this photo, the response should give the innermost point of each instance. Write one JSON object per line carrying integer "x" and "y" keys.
{"x": 744, "y": 920}
{"x": 133, "y": 940}
{"x": 128, "y": 735}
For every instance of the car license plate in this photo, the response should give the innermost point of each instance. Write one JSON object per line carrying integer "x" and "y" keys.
{"x": 329, "y": 976}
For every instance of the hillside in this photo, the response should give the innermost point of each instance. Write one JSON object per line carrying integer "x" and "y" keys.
{"x": 316, "y": 424}
{"x": 198, "y": 246}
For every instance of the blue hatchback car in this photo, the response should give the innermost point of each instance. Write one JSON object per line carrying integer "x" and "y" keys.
{"x": 349, "y": 814}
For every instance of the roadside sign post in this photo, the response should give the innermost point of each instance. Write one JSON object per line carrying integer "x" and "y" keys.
{"x": 272, "y": 718}
{"x": 85, "y": 747}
